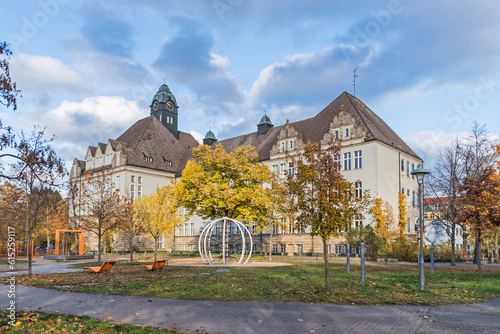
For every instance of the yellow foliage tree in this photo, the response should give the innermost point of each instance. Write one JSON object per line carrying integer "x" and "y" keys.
{"x": 158, "y": 213}
{"x": 402, "y": 213}
{"x": 218, "y": 184}
{"x": 383, "y": 218}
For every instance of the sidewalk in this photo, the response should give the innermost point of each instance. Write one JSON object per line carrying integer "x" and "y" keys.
{"x": 262, "y": 317}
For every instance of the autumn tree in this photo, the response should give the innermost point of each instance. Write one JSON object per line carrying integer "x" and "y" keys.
{"x": 481, "y": 205}
{"x": 37, "y": 181}
{"x": 383, "y": 217}
{"x": 278, "y": 207}
{"x": 447, "y": 174}
{"x": 402, "y": 213}
{"x": 130, "y": 225}
{"x": 100, "y": 205}
{"x": 324, "y": 200}
{"x": 364, "y": 234}
{"x": 158, "y": 213}
{"x": 8, "y": 89}
{"x": 217, "y": 184}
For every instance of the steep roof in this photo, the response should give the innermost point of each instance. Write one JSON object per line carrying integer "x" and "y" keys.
{"x": 313, "y": 129}
{"x": 148, "y": 143}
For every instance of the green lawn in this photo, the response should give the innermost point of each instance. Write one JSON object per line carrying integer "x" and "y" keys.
{"x": 304, "y": 282}
{"x": 39, "y": 322}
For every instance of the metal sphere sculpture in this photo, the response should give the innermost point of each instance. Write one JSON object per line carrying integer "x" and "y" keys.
{"x": 223, "y": 233}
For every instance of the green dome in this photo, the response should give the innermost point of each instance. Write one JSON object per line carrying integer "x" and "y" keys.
{"x": 164, "y": 94}
{"x": 210, "y": 135}
{"x": 265, "y": 120}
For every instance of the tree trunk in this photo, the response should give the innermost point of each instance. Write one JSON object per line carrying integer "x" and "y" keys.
{"x": 453, "y": 239}
{"x": 271, "y": 244}
{"x": 327, "y": 273}
{"x": 156, "y": 246}
{"x": 477, "y": 252}
{"x": 131, "y": 247}
{"x": 99, "y": 248}
{"x": 386, "y": 242}
{"x": 495, "y": 246}
{"x": 478, "y": 242}
{"x": 30, "y": 254}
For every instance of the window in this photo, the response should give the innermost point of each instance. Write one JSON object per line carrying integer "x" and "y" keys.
{"x": 118, "y": 182}
{"x": 425, "y": 216}
{"x": 407, "y": 168}
{"x": 282, "y": 168}
{"x": 139, "y": 179}
{"x": 132, "y": 191}
{"x": 347, "y": 161}
{"x": 402, "y": 165}
{"x": 148, "y": 159}
{"x": 412, "y": 169}
{"x": 138, "y": 239}
{"x": 139, "y": 191}
{"x": 403, "y": 190}
{"x": 359, "y": 190}
{"x": 254, "y": 248}
{"x": 283, "y": 248}
{"x": 347, "y": 133}
{"x": 300, "y": 249}
{"x": 413, "y": 198}
{"x": 290, "y": 144}
{"x": 282, "y": 146}
{"x": 160, "y": 241}
{"x": 336, "y": 134}
{"x": 358, "y": 221}
{"x": 291, "y": 171}
{"x": 192, "y": 228}
{"x": 275, "y": 248}
{"x": 408, "y": 193}
{"x": 275, "y": 169}
{"x": 408, "y": 224}
{"x": 338, "y": 249}
{"x": 432, "y": 216}
{"x": 358, "y": 162}
{"x": 168, "y": 163}
{"x": 132, "y": 178}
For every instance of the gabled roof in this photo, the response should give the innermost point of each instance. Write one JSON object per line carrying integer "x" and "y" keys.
{"x": 102, "y": 147}
{"x": 148, "y": 143}
{"x": 313, "y": 129}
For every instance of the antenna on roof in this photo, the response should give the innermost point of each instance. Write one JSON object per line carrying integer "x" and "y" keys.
{"x": 354, "y": 81}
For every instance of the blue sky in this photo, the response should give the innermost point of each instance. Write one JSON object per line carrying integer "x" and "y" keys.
{"x": 89, "y": 69}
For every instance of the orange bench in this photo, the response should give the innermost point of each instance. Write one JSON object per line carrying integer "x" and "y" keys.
{"x": 105, "y": 267}
{"x": 157, "y": 265}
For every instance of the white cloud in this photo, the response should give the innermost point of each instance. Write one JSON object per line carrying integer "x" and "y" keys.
{"x": 198, "y": 136}
{"x": 80, "y": 124}
{"x": 39, "y": 73}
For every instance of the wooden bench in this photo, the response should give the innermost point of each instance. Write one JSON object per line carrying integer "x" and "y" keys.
{"x": 105, "y": 267}
{"x": 157, "y": 265}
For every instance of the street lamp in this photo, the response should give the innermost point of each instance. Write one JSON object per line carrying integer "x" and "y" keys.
{"x": 420, "y": 172}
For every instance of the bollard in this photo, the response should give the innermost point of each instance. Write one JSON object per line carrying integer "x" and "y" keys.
{"x": 348, "y": 260}
{"x": 432, "y": 259}
{"x": 362, "y": 251}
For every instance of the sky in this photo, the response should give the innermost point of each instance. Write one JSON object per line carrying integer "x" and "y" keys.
{"x": 89, "y": 69}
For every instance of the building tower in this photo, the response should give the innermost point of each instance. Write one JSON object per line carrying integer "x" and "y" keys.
{"x": 165, "y": 109}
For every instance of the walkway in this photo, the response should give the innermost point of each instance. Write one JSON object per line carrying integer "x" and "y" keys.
{"x": 262, "y": 317}
{"x": 255, "y": 317}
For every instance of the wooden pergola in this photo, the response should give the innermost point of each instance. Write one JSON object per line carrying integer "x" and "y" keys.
{"x": 80, "y": 243}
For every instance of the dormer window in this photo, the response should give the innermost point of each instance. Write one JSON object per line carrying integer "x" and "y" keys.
{"x": 283, "y": 146}
{"x": 290, "y": 144}
{"x": 147, "y": 158}
{"x": 168, "y": 163}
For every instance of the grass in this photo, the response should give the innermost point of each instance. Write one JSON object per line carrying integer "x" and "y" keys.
{"x": 39, "y": 322}
{"x": 301, "y": 282}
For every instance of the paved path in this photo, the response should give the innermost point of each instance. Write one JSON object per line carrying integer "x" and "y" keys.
{"x": 262, "y": 317}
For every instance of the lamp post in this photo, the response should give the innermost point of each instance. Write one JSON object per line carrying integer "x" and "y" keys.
{"x": 419, "y": 173}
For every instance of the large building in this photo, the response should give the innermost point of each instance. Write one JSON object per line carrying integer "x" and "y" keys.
{"x": 154, "y": 152}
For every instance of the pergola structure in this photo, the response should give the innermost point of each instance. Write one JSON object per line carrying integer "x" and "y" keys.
{"x": 80, "y": 242}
